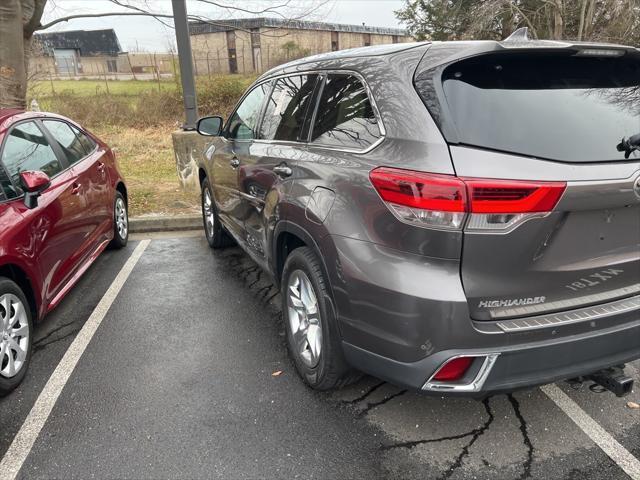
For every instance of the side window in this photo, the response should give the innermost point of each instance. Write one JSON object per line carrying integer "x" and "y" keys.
{"x": 26, "y": 148}
{"x": 6, "y": 188}
{"x": 287, "y": 107}
{"x": 87, "y": 142}
{"x": 244, "y": 121}
{"x": 345, "y": 116}
{"x": 67, "y": 139}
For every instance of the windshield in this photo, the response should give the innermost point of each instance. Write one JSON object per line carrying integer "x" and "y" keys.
{"x": 558, "y": 106}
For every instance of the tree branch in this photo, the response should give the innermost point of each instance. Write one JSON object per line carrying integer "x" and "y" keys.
{"x": 97, "y": 15}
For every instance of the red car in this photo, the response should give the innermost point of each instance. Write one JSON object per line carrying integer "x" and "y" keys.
{"x": 62, "y": 202}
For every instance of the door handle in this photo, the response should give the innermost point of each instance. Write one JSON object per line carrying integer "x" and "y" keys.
{"x": 101, "y": 167}
{"x": 75, "y": 188}
{"x": 283, "y": 170}
{"x": 234, "y": 162}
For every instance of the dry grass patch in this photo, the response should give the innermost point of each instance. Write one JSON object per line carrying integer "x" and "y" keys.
{"x": 147, "y": 162}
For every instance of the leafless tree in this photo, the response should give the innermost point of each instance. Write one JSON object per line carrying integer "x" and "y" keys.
{"x": 20, "y": 19}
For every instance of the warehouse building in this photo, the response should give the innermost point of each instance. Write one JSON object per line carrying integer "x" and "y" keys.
{"x": 254, "y": 45}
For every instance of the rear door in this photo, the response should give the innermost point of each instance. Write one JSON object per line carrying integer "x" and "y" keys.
{"x": 555, "y": 206}
{"x": 234, "y": 148}
{"x": 91, "y": 177}
{"x": 53, "y": 232}
{"x": 266, "y": 168}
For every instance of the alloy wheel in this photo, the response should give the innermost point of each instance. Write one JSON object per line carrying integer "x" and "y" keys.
{"x": 122, "y": 222}
{"x": 304, "y": 318}
{"x": 207, "y": 212}
{"x": 14, "y": 335}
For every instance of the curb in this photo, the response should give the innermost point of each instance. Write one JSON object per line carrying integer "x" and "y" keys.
{"x": 165, "y": 224}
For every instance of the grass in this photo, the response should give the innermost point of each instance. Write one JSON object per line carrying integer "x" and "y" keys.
{"x": 88, "y": 88}
{"x": 136, "y": 120}
{"x": 146, "y": 160}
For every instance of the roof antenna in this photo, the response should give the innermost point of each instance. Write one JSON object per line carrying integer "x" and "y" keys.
{"x": 520, "y": 35}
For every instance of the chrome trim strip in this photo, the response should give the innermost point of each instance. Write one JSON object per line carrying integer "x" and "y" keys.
{"x": 574, "y": 316}
{"x": 474, "y": 386}
{"x": 564, "y": 305}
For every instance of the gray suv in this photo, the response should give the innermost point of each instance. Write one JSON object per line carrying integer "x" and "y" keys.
{"x": 457, "y": 217}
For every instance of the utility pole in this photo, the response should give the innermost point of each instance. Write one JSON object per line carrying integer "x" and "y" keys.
{"x": 185, "y": 59}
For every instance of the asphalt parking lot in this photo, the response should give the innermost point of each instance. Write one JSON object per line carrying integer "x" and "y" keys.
{"x": 177, "y": 382}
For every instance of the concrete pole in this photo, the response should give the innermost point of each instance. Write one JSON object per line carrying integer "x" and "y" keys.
{"x": 185, "y": 59}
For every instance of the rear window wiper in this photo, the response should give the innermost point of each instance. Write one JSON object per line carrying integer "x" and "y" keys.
{"x": 629, "y": 145}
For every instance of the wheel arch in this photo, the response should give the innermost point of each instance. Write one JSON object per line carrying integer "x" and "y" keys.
{"x": 19, "y": 275}
{"x": 122, "y": 188}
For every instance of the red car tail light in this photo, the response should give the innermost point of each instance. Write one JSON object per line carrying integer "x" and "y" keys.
{"x": 442, "y": 201}
{"x": 513, "y": 196}
{"x": 422, "y": 198}
{"x": 453, "y": 370}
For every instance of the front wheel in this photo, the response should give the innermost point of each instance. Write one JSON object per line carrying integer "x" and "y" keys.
{"x": 120, "y": 222}
{"x": 16, "y": 332}
{"x": 217, "y": 237}
{"x": 313, "y": 339}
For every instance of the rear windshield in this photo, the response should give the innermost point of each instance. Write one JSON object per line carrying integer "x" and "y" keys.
{"x": 561, "y": 107}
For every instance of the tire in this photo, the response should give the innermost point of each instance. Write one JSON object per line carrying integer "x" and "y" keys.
{"x": 13, "y": 298}
{"x": 120, "y": 222}
{"x": 324, "y": 368}
{"x": 217, "y": 237}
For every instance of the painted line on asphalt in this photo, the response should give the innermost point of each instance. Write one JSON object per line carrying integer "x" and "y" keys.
{"x": 620, "y": 455}
{"x": 23, "y": 441}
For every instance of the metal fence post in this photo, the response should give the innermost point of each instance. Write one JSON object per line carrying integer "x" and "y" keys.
{"x": 186, "y": 63}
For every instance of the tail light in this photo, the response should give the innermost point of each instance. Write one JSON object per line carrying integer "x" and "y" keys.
{"x": 453, "y": 370}
{"x": 443, "y": 201}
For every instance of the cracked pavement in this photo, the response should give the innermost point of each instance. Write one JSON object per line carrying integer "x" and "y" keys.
{"x": 177, "y": 383}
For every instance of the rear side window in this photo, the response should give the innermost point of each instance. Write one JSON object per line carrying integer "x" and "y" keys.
{"x": 26, "y": 148}
{"x": 287, "y": 107}
{"x": 345, "y": 116}
{"x": 67, "y": 139}
{"x": 557, "y": 106}
{"x": 243, "y": 123}
{"x": 87, "y": 142}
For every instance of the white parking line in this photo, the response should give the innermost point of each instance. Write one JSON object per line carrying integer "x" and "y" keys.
{"x": 623, "y": 458}
{"x": 23, "y": 442}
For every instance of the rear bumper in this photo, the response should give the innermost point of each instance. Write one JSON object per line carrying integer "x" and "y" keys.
{"x": 516, "y": 367}
{"x": 401, "y": 316}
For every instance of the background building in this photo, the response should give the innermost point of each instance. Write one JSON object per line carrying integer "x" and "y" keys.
{"x": 255, "y": 45}
{"x": 76, "y": 52}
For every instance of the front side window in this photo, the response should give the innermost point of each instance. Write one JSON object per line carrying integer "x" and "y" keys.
{"x": 67, "y": 139}
{"x": 287, "y": 108}
{"x": 26, "y": 148}
{"x": 345, "y": 115}
{"x": 243, "y": 123}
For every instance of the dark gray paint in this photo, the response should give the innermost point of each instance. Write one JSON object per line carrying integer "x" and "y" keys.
{"x": 408, "y": 294}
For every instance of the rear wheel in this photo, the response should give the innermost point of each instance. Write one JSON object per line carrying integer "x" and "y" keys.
{"x": 16, "y": 333}
{"x": 120, "y": 222}
{"x": 312, "y": 332}
{"x": 215, "y": 232}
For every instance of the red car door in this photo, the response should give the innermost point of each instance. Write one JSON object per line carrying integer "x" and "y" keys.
{"x": 90, "y": 171}
{"x": 51, "y": 234}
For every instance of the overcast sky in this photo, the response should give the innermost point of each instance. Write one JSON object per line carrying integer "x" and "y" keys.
{"x": 140, "y": 33}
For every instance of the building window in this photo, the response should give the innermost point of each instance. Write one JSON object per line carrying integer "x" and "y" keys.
{"x": 394, "y": 38}
{"x": 366, "y": 39}
{"x": 112, "y": 66}
{"x": 335, "y": 45}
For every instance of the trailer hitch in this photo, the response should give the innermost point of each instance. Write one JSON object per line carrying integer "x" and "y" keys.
{"x": 613, "y": 379}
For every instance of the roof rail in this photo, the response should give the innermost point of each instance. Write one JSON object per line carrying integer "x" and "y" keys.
{"x": 520, "y": 35}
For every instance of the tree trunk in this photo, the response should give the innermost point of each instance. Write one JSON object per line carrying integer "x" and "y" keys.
{"x": 558, "y": 21}
{"x": 18, "y": 20}
{"x": 583, "y": 10}
{"x": 13, "y": 74}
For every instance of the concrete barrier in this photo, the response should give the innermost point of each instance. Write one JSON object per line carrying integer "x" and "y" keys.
{"x": 188, "y": 147}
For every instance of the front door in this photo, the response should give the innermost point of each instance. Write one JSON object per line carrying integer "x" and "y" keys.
{"x": 53, "y": 233}
{"x": 266, "y": 165}
{"x": 229, "y": 154}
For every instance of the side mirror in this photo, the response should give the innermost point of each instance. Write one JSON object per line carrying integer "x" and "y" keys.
{"x": 210, "y": 126}
{"x": 33, "y": 183}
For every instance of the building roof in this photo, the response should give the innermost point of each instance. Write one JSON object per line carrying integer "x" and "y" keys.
{"x": 89, "y": 42}
{"x": 214, "y": 26}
